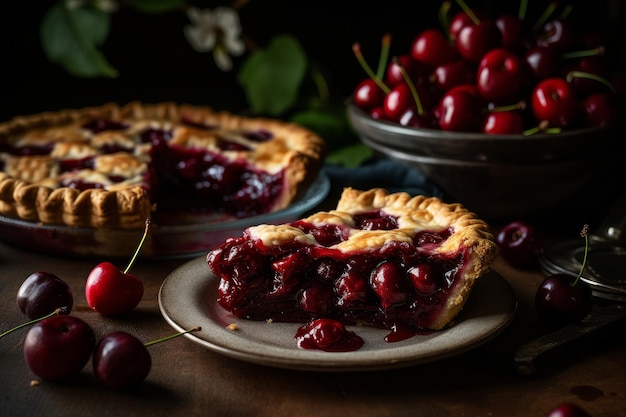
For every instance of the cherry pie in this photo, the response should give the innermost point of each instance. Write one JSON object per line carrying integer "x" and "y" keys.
{"x": 112, "y": 166}
{"x": 388, "y": 260}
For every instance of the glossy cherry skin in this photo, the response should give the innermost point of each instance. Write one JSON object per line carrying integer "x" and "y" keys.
{"x": 368, "y": 95}
{"x": 558, "y": 302}
{"x": 542, "y": 62}
{"x": 121, "y": 361}
{"x": 568, "y": 410}
{"x": 474, "y": 41}
{"x": 514, "y": 32}
{"x": 554, "y": 101}
{"x": 460, "y": 20}
{"x": 503, "y": 123}
{"x": 431, "y": 48}
{"x": 412, "y": 67}
{"x": 397, "y": 101}
{"x": 500, "y": 76}
{"x": 459, "y": 111}
{"x": 111, "y": 292}
{"x": 558, "y": 34}
{"x": 58, "y": 347}
{"x": 42, "y": 293}
{"x": 600, "y": 110}
{"x": 520, "y": 243}
{"x": 451, "y": 74}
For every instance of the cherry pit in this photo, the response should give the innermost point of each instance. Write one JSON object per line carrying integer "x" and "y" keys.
{"x": 503, "y": 74}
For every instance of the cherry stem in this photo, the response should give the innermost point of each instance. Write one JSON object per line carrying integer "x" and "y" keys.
{"x": 542, "y": 127}
{"x": 523, "y": 6}
{"x": 586, "y": 52}
{"x": 154, "y": 342}
{"x": 409, "y": 82}
{"x": 356, "y": 48}
{"x": 580, "y": 74}
{"x": 54, "y": 313}
{"x": 566, "y": 12}
{"x": 469, "y": 11}
{"x": 444, "y": 17}
{"x": 545, "y": 16}
{"x": 143, "y": 239}
{"x": 521, "y": 105}
{"x": 384, "y": 55}
{"x": 584, "y": 233}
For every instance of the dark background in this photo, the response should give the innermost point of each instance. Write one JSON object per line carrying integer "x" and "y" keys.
{"x": 156, "y": 62}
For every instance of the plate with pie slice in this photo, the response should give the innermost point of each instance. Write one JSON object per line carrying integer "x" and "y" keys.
{"x": 188, "y": 298}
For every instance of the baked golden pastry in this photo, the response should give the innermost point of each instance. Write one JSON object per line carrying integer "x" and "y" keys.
{"x": 388, "y": 260}
{"x": 112, "y": 166}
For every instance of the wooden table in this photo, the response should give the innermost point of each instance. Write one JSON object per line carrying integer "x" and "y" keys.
{"x": 189, "y": 380}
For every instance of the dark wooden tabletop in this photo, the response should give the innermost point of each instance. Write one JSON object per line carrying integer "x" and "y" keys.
{"x": 189, "y": 380}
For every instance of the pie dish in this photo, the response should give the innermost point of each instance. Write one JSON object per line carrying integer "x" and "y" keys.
{"x": 388, "y": 260}
{"x": 116, "y": 166}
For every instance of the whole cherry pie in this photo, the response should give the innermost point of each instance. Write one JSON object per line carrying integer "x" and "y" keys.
{"x": 388, "y": 260}
{"x": 115, "y": 166}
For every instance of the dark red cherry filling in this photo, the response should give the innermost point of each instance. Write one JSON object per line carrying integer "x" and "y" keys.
{"x": 182, "y": 178}
{"x": 328, "y": 335}
{"x": 398, "y": 286}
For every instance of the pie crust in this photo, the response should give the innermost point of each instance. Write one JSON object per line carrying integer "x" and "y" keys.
{"x": 462, "y": 242}
{"x": 112, "y": 155}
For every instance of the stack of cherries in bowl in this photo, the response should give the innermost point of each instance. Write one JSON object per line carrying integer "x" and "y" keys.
{"x": 490, "y": 107}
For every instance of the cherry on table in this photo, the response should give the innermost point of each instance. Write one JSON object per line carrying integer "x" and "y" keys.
{"x": 563, "y": 298}
{"x": 42, "y": 293}
{"x": 110, "y": 291}
{"x": 58, "y": 348}
{"x": 520, "y": 243}
{"x": 121, "y": 360}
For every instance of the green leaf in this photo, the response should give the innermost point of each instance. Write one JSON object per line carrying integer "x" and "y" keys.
{"x": 272, "y": 77}
{"x": 157, "y": 6}
{"x": 350, "y": 156}
{"x": 328, "y": 122}
{"x": 70, "y": 37}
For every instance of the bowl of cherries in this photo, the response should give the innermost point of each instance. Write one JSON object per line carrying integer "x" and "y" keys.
{"x": 506, "y": 114}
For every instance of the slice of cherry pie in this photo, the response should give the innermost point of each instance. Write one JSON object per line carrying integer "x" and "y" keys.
{"x": 391, "y": 261}
{"x": 111, "y": 166}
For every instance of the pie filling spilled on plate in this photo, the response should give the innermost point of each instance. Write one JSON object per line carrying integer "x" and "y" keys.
{"x": 388, "y": 260}
{"x": 115, "y": 166}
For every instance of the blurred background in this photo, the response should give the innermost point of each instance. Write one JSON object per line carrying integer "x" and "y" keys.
{"x": 156, "y": 62}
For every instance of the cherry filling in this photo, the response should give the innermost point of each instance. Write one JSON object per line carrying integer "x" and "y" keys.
{"x": 328, "y": 335}
{"x": 400, "y": 286}
{"x": 182, "y": 178}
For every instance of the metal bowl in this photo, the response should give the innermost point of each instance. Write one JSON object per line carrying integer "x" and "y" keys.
{"x": 497, "y": 176}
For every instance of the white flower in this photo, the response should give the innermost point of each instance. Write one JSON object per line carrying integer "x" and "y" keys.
{"x": 218, "y": 30}
{"x": 107, "y": 6}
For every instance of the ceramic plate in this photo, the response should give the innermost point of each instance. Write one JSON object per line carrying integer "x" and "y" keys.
{"x": 187, "y": 298}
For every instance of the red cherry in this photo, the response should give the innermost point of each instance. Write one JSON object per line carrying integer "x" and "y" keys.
{"x": 558, "y": 34}
{"x": 58, "y": 348}
{"x": 459, "y": 110}
{"x": 503, "y": 123}
{"x": 460, "y": 20}
{"x": 543, "y": 62}
{"x": 120, "y": 360}
{"x": 514, "y": 32}
{"x": 431, "y": 47}
{"x": 520, "y": 243}
{"x": 474, "y": 41}
{"x": 451, "y": 74}
{"x": 412, "y": 67}
{"x": 368, "y": 95}
{"x": 563, "y": 299}
{"x": 397, "y": 101}
{"x": 500, "y": 76}
{"x": 554, "y": 101}
{"x": 42, "y": 293}
{"x": 600, "y": 110}
{"x": 112, "y": 292}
